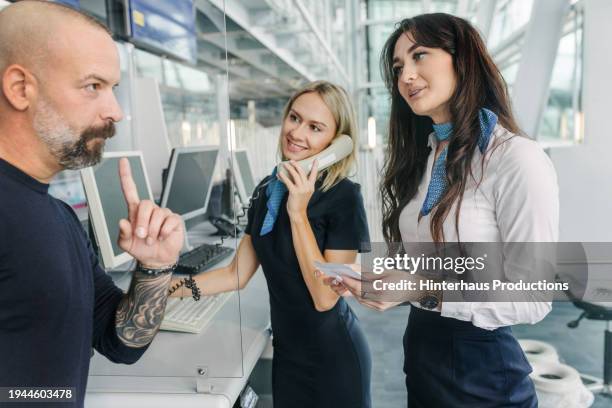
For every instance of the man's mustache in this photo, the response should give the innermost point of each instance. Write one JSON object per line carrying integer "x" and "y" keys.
{"x": 103, "y": 132}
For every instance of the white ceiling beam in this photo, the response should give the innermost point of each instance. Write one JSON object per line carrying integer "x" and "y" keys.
{"x": 484, "y": 16}
{"x": 532, "y": 85}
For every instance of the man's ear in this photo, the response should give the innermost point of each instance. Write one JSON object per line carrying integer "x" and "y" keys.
{"x": 18, "y": 86}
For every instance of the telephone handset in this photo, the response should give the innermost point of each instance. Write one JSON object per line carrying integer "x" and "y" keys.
{"x": 341, "y": 147}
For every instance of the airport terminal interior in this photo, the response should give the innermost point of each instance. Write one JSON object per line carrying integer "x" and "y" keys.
{"x": 203, "y": 88}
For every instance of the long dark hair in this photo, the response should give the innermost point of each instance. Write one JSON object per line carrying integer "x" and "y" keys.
{"x": 479, "y": 85}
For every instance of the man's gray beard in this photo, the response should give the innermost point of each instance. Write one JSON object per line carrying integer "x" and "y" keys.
{"x": 64, "y": 143}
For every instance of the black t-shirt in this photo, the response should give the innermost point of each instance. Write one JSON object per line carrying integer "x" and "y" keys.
{"x": 56, "y": 302}
{"x": 338, "y": 220}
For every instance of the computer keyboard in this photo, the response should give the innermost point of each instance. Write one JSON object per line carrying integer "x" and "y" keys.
{"x": 202, "y": 258}
{"x": 187, "y": 315}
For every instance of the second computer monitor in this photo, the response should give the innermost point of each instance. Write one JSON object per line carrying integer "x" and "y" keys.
{"x": 190, "y": 176}
{"x": 243, "y": 172}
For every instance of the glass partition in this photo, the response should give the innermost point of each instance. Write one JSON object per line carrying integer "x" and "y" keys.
{"x": 176, "y": 112}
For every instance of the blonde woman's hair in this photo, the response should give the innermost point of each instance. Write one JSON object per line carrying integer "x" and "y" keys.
{"x": 338, "y": 102}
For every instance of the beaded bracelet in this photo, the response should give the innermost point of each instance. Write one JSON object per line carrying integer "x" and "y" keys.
{"x": 189, "y": 283}
{"x": 154, "y": 272}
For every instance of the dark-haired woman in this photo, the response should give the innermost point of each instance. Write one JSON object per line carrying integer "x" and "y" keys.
{"x": 473, "y": 179}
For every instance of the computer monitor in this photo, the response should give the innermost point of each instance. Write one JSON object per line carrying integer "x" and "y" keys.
{"x": 107, "y": 204}
{"x": 190, "y": 175}
{"x": 243, "y": 172}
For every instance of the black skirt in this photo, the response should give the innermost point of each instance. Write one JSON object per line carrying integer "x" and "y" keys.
{"x": 329, "y": 368}
{"x": 452, "y": 363}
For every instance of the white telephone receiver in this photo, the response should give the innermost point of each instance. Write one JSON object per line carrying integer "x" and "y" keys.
{"x": 341, "y": 147}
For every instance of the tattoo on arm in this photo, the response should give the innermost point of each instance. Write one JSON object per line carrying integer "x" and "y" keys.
{"x": 141, "y": 310}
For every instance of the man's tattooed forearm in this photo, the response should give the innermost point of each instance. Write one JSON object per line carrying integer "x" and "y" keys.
{"x": 140, "y": 312}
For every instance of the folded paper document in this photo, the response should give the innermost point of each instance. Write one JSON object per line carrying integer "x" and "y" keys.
{"x": 337, "y": 270}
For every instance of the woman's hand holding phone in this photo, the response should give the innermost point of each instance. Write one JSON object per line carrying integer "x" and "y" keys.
{"x": 301, "y": 186}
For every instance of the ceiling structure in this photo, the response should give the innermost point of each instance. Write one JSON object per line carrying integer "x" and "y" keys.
{"x": 271, "y": 47}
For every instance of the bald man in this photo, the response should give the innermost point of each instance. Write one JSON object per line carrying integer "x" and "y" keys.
{"x": 58, "y": 68}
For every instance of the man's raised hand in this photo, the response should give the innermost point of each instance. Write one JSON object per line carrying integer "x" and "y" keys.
{"x": 152, "y": 235}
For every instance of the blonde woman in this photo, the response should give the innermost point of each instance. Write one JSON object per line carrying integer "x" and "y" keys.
{"x": 321, "y": 357}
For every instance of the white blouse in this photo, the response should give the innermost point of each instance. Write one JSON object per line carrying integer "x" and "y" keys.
{"x": 517, "y": 201}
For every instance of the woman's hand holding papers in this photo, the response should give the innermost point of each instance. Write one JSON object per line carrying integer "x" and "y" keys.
{"x": 363, "y": 289}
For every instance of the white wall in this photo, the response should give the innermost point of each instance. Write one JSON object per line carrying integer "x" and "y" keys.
{"x": 585, "y": 172}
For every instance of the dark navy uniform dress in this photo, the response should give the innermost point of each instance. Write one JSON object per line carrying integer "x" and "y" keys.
{"x": 452, "y": 363}
{"x": 321, "y": 359}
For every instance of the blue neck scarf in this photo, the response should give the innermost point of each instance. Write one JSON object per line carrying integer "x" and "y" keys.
{"x": 275, "y": 191}
{"x": 439, "y": 183}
